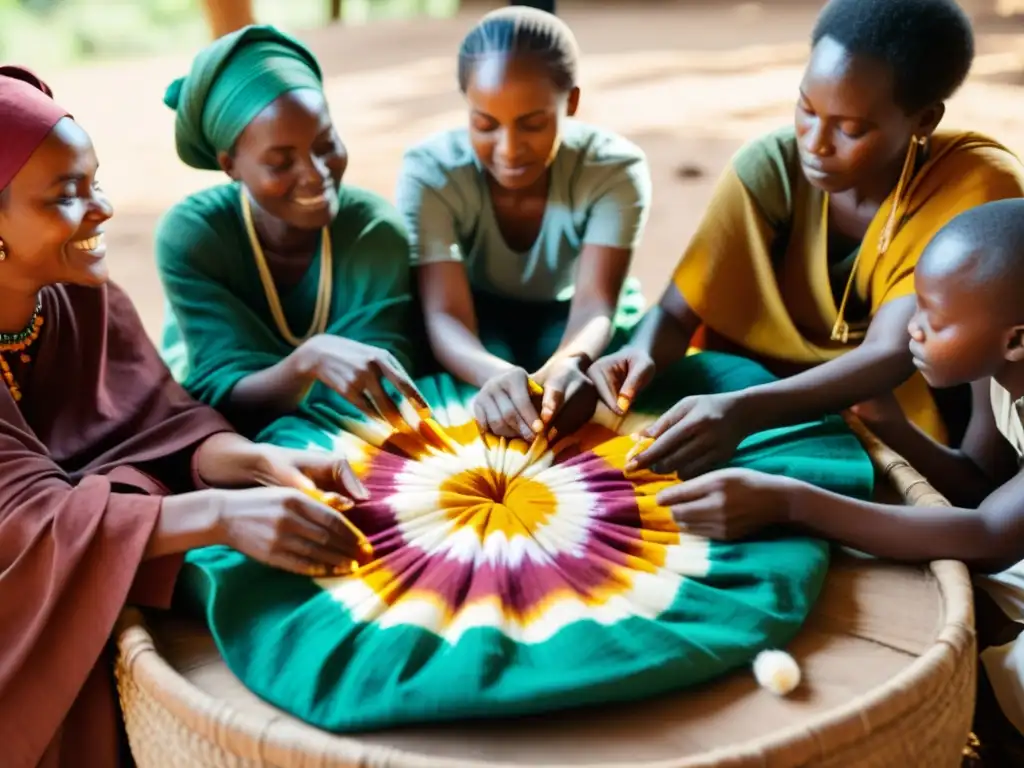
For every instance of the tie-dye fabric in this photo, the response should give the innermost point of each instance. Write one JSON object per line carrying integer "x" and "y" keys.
{"x": 512, "y": 579}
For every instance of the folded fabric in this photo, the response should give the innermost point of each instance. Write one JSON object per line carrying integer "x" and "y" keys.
{"x": 511, "y": 579}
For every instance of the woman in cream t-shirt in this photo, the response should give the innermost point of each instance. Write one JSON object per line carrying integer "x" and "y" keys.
{"x": 523, "y": 225}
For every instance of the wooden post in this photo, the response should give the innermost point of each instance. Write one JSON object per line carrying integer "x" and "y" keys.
{"x": 226, "y": 16}
{"x": 544, "y": 5}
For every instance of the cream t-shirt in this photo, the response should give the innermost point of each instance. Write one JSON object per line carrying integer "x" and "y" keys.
{"x": 1004, "y": 664}
{"x": 599, "y": 194}
{"x": 1009, "y": 417}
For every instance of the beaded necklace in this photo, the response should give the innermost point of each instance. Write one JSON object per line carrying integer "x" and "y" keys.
{"x": 19, "y": 342}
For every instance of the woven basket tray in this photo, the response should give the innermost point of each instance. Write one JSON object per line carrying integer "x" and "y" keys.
{"x": 920, "y": 715}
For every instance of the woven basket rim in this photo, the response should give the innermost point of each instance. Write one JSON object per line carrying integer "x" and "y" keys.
{"x": 820, "y": 735}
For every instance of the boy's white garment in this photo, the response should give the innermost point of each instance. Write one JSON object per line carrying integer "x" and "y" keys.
{"x": 1004, "y": 664}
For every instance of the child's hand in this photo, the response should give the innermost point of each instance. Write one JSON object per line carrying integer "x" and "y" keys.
{"x": 881, "y": 410}
{"x": 728, "y": 504}
{"x": 694, "y": 436}
{"x": 619, "y": 377}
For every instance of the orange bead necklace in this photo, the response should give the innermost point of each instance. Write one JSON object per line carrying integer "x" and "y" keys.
{"x": 19, "y": 343}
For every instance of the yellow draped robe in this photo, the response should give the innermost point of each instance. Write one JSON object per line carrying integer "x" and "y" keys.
{"x": 757, "y": 270}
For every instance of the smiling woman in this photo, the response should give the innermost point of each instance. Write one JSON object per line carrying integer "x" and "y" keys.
{"x": 805, "y": 258}
{"x": 53, "y": 213}
{"x": 67, "y": 175}
{"x": 288, "y": 291}
{"x": 523, "y": 225}
{"x": 105, "y": 463}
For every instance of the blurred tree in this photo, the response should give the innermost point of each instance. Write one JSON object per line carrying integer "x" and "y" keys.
{"x": 40, "y": 6}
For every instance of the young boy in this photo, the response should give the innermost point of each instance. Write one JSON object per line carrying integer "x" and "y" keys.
{"x": 968, "y": 327}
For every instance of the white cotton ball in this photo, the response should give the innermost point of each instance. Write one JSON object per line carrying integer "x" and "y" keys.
{"x": 777, "y": 671}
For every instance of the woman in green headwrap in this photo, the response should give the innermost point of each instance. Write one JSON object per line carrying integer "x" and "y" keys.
{"x": 289, "y": 294}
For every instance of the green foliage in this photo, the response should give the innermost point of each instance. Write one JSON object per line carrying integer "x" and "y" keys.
{"x": 41, "y": 6}
{"x": 48, "y": 33}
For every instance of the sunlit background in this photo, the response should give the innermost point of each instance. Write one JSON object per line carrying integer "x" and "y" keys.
{"x": 68, "y": 32}
{"x": 689, "y": 80}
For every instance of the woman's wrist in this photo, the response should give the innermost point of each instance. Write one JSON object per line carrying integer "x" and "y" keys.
{"x": 228, "y": 460}
{"x": 750, "y": 409}
{"x": 188, "y": 521}
{"x": 489, "y": 369}
{"x": 302, "y": 363}
{"x": 580, "y": 360}
{"x": 579, "y": 357}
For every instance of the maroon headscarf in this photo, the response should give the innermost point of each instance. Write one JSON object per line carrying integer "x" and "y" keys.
{"x": 27, "y": 115}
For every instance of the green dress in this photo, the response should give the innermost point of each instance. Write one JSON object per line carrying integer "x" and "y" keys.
{"x": 218, "y": 326}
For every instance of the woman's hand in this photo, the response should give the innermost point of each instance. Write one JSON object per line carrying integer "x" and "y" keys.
{"x": 695, "y": 435}
{"x": 569, "y": 398}
{"x": 309, "y": 471}
{"x": 355, "y": 371}
{"x": 507, "y": 407}
{"x": 288, "y": 529}
{"x": 729, "y": 504}
{"x": 295, "y": 523}
{"x": 228, "y": 460}
{"x": 298, "y": 526}
{"x": 619, "y": 377}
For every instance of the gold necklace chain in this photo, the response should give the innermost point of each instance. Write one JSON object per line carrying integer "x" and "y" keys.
{"x": 841, "y": 331}
{"x": 321, "y": 311}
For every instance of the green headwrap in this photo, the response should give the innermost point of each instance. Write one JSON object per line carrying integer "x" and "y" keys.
{"x": 231, "y": 82}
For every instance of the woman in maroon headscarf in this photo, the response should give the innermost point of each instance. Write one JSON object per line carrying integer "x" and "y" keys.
{"x": 101, "y": 454}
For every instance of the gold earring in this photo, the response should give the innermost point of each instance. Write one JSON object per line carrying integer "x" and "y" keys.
{"x": 921, "y": 140}
{"x": 3, "y": 253}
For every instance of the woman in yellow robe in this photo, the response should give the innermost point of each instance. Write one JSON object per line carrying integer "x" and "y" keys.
{"x": 805, "y": 257}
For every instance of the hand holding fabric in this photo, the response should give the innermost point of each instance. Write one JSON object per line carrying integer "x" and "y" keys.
{"x": 728, "y": 504}
{"x": 506, "y": 407}
{"x": 309, "y": 471}
{"x": 288, "y": 529}
{"x": 296, "y": 522}
{"x": 695, "y": 435}
{"x": 355, "y": 371}
{"x": 228, "y": 460}
{"x": 570, "y": 397}
{"x": 619, "y": 377}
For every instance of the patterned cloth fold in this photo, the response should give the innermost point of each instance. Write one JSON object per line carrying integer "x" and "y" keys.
{"x": 510, "y": 579}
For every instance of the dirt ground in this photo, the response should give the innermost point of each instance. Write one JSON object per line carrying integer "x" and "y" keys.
{"x": 688, "y": 81}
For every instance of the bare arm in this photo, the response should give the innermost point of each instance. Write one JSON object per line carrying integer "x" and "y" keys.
{"x": 279, "y": 389}
{"x": 661, "y": 338}
{"x": 965, "y": 476}
{"x": 666, "y": 331}
{"x": 601, "y": 273}
{"x": 451, "y": 324}
{"x": 186, "y": 522}
{"x": 879, "y": 364}
{"x": 989, "y": 538}
{"x": 191, "y": 520}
